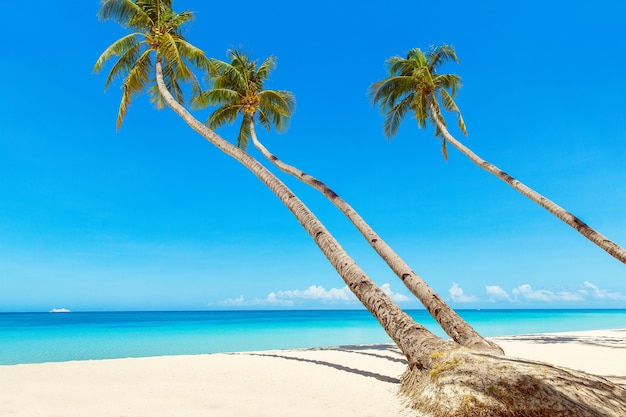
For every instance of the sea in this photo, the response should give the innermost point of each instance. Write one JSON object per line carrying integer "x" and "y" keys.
{"x": 70, "y": 336}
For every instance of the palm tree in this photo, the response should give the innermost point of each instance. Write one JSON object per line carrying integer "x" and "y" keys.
{"x": 432, "y": 361}
{"x": 237, "y": 89}
{"x": 414, "y": 87}
{"x": 156, "y": 34}
{"x": 157, "y": 31}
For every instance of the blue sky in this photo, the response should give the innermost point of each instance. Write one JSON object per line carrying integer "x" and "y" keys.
{"x": 153, "y": 217}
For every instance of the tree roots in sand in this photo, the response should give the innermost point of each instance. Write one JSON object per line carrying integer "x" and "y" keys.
{"x": 464, "y": 383}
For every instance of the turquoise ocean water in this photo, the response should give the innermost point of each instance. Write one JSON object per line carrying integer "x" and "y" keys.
{"x": 47, "y": 337}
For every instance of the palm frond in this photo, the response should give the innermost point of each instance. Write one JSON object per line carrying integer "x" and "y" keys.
{"x": 283, "y": 101}
{"x": 402, "y": 66}
{"x": 270, "y": 115}
{"x": 420, "y": 110}
{"x": 450, "y": 105}
{"x": 461, "y": 123}
{"x": 193, "y": 54}
{"x": 214, "y": 97}
{"x": 437, "y": 116}
{"x": 225, "y": 75}
{"x": 276, "y": 108}
{"x": 439, "y": 55}
{"x": 264, "y": 119}
{"x": 155, "y": 97}
{"x": 117, "y": 48}
{"x": 417, "y": 58}
{"x": 262, "y": 72}
{"x": 176, "y": 20}
{"x": 124, "y": 103}
{"x": 123, "y": 65}
{"x": 127, "y": 13}
{"x": 444, "y": 149}
{"x": 223, "y": 115}
{"x": 134, "y": 83}
{"x": 139, "y": 75}
{"x": 387, "y": 92}
{"x": 159, "y": 11}
{"x": 394, "y": 116}
{"x": 200, "y": 100}
{"x": 243, "y": 139}
{"x": 450, "y": 82}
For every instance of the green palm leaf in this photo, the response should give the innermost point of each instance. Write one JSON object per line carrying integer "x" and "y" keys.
{"x": 127, "y": 13}
{"x": 243, "y": 139}
{"x": 450, "y": 105}
{"x": 223, "y": 115}
{"x": 134, "y": 83}
{"x": 414, "y": 86}
{"x": 214, "y": 97}
{"x": 117, "y": 48}
{"x": 265, "y": 68}
{"x": 193, "y": 54}
{"x": 124, "y": 64}
{"x": 439, "y": 55}
{"x": 395, "y": 115}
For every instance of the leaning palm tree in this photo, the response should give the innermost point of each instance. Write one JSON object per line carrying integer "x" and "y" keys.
{"x": 414, "y": 87}
{"x": 488, "y": 381}
{"x": 237, "y": 89}
{"x": 157, "y": 32}
{"x": 156, "y": 35}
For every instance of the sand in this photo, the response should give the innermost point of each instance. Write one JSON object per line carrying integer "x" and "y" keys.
{"x": 341, "y": 381}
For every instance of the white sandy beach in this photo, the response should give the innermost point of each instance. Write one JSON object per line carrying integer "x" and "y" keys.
{"x": 343, "y": 381}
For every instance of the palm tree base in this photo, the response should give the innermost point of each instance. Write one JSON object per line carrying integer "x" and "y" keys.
{"x": 464, "y": 383}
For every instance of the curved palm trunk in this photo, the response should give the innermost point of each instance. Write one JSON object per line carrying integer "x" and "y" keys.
{"x": 457, "y": 328}
{"x": 581, "y": 227}
{"x": 415, "y": 341}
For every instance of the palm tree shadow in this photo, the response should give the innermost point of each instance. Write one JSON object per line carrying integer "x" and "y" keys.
{"x": 377, "y": 376}
{"x": 612, "y": 342}
{"x": 363, "y": 350}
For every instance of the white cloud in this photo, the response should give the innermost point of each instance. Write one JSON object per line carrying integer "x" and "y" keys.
{"x": 526, "y": 291}
{"x": 600, "y": 293}
{"x": 459, "y": 296}
{"x": 496, "y": 293}
{"x": 235, "y": 302}
{"x": 289, "y": 298}
{"x": 395, "y": 296}
{"x": 569, "y": 296}
{"x": 315, "y": 293}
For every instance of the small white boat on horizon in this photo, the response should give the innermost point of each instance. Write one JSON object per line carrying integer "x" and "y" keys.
{"x": 60, "y": 310}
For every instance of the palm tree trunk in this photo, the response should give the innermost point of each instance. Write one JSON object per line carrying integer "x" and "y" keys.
{"x": 457, "y": 328}
{"x": 581, "y": 227}
{"x": 414, "y": 340}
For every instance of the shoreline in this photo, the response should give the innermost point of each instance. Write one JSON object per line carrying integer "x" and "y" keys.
{"x": 356, "y": 380}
